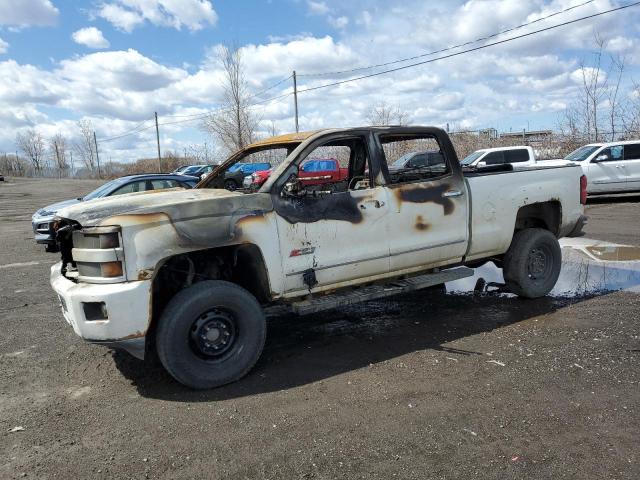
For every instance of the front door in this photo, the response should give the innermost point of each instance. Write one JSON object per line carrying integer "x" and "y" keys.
{"x": 334, "y": 235}
{"x": 608, "y": 174}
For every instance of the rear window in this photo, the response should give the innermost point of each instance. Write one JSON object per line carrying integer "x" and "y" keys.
{"x": 632, "y": 151}
{"x": 516, "y": 156}
{"x": 318, "y": 166}
{"x": 494, "y": 158}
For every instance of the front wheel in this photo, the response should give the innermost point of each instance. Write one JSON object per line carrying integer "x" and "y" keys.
{"x": 230, "y": 185}
{"x": 532, "y": 264}
{"x": 211, "y": 334}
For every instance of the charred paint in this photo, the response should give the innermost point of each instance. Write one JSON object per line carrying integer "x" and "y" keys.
{"x": 421, "y": 224}
{"x": 334, "y": 206}
{"x": 422, "y": 194}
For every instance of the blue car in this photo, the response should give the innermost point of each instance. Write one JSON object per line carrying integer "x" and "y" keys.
{"x": 41, "y": 220}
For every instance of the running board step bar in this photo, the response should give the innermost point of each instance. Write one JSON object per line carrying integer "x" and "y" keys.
{"x": 362, "y": 294}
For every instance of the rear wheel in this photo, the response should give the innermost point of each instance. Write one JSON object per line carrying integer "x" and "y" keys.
{"x": 532, "y": 264}
{"x": 211, "y": 334}
{"x": 230, "y": 185}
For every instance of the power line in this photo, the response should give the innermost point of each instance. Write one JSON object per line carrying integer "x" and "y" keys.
{"x": 199, "y": 116}
{"x": 128, "y": 132}
{"x": 248, "y": 98}
{"x": 481, "y": 47}
{"x": 340, "y": 72}
{"x": 194, "y": 116}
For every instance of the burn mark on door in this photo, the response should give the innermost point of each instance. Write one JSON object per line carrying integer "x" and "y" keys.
{"x": 425, "y": 194}
{"x": 309, "y": 209}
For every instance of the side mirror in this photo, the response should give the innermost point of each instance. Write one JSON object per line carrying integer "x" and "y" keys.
{"x": 293, "y": 187}
{"x": 482, "y": 164}
{"x": 601, "y": 158}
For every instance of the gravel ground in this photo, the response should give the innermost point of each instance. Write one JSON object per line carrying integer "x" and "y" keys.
{"x": 427, "y": 385}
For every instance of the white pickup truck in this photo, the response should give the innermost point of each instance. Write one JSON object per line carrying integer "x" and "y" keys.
{"x": 191, "y": 274}
{"x": 518, "y": 156}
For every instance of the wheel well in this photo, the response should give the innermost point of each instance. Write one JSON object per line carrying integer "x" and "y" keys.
{"x": 545, "y": 215}
{"x": 241, "y": 264}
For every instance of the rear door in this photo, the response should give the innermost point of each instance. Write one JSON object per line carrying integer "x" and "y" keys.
{"x": 428, "y": 213}
{"x": 607, "y": 174}
{"x": 632, "y": 166}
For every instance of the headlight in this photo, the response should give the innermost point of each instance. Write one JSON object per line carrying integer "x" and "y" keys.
{"x": 99, "y": 255}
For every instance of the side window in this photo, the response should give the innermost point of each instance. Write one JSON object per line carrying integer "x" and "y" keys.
{"x": 632, "y": 151}
{"x": 436, "y": 159}
{"x": 419, "y": 160}
{"x": 413, "y": 158}
{"x": 494, "y": 158}
{"x": 617, "y": 152}
{"x": 132, "y": 187}
{"x": 516, "y": 156}
{"x": 162, "y": 184}
{"x": 336, "y": 166}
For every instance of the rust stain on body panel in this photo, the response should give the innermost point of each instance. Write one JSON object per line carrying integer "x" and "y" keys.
{"x": 421, "y": 224}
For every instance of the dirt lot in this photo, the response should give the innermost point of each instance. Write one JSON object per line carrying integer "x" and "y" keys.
{"x": 427, "y": 385}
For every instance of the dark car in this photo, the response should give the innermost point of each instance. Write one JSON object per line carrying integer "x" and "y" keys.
{"x": 42, "y": 219}
{"x": 234, "y": 177}
{"x": 199, "y": 171}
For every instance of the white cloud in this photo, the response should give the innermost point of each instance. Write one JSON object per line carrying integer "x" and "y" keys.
{"x": 4, "y": 46}
{"x": 129, "y": 14}
{"x": 317, "y": 8}
{"x": 90, "y": 37}
{"x": 22, "y": 13}
{"x": 338, "y": 22}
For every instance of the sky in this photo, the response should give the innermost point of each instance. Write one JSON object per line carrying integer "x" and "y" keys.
{"x": 116, "y": 62}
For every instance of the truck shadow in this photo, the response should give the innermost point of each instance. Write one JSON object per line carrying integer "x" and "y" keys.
{"x": 304, "y": 350}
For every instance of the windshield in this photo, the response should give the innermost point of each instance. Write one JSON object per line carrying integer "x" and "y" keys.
{"x": 102, "y": 191}
{"x": 582, "y": 153}
{"x": 403, "y": 160}
{"x": 469, "y": 159}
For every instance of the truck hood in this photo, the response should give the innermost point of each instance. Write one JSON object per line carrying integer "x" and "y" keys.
{"x": 176, "y": 204}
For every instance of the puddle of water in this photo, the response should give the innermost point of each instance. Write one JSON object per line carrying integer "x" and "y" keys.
{"x": 588, "y": 267}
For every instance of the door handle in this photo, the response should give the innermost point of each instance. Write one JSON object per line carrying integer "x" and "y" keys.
{"x": 452, "y": 193}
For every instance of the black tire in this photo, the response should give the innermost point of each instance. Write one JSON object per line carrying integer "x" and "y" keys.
{"x": 222, "y": 307}
{"x": 51, "y": 248}
{"x": 230, "y": 185}
{"x": 532, "y": 264}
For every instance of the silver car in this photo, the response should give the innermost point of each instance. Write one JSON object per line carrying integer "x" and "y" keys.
{"x": 42, "y": 220}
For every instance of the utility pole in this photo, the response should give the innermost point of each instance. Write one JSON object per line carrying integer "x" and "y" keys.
{"x": 295, "y": 97}
{"x": 158, "y": 141}
{"x": 71, "y": 161}
{"x": 95, "y": 142}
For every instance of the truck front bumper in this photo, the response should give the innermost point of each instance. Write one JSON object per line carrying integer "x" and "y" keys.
{"x": 116, "y": 314}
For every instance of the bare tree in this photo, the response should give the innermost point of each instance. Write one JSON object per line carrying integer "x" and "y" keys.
{"x": 32, "y": 145}
{"x": 234, "y": 124}
{"x": 84, "y": 147}
{"x": 598, "y": 107}
{"x": 385, "y": 114}
{"x": 58, "y": 148}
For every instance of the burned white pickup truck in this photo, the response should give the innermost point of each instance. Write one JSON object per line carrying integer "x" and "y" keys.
{"x": 191, "y": 274}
